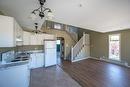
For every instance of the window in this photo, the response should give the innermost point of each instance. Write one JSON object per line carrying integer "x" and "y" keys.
{"x": 114, "y": 47}
{"x": 57, "y": 26}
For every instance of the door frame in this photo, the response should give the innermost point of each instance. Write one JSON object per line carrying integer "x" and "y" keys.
{"x": 62, "y": 39}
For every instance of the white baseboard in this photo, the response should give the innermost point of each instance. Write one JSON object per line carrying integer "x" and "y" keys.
{"x": 80, "y": 59}
{"x": 101, "y": 59}
{"x": 111, "y": 61}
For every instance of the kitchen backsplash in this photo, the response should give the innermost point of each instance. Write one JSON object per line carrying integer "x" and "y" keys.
{"x": 29, "y": 47}
{"x": 5, "y": 49}
{"x": 7, "y": 53}
{"x": 22, "y": 48}
{"x": 8, "y": 56}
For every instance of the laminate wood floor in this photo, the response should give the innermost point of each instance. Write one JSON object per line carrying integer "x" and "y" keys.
{"x": 51, "y": 77}
{"x": 94, "y": 73}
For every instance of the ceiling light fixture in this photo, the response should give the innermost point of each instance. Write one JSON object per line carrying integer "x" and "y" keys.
{"x": 36, "y": 27}
{"x": 41, "y": 11}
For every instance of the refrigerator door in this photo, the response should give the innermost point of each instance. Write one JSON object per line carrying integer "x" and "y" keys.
{"x": 50, "y": 53}
{"x": 50, "y": 57}
{"x": 50, "y": 44}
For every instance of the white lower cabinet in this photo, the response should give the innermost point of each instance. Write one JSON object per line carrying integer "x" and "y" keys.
{"x": 15, "y": 76}
{"x": 39, "y": 59}
{"x": 36, "y": 60}
{"x": 32, "y": 61}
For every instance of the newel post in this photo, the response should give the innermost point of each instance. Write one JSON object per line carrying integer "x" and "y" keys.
{"x": 84, "y": 38}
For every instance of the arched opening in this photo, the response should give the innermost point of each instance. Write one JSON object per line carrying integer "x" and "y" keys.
{"x": 60, "y": 49}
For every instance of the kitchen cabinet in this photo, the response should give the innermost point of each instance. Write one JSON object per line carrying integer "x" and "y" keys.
{"x": 38, "y": 39}
{"x": 39, "y": 60}
{"x": 32, "y": 63}
{"x": 18, "y": 32}
{"x": 10, "y": 32}
{"x": 33, "y": 39}
{"x": 15, "y": 76}
{"x": 26, "y": 38}
{"x": 30, "y": 38}
{"x": 36, "y": 60}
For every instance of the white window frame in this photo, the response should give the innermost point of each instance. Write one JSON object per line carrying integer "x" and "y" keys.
{"x": 119, "y": 47}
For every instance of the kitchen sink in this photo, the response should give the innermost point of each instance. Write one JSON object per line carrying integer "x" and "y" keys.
{"x": 20, "y": 59}
{"x": 17, "y": 60}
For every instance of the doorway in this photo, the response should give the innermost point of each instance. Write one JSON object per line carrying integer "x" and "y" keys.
{"x": 114, "y": 47}
{"x": 60, "y": 49}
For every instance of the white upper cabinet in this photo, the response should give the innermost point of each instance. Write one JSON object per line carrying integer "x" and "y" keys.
{"x": 40, "y": 38}
{"x": 18, "y": 32}
{"x": 37, "y": 39}
{"x": 33, "y": 39}
{"x": 10, "y": 32}
{"x": 6, "y": 31}
{"x": 26, "y": 38}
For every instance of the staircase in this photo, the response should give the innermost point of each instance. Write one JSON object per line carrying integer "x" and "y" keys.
{"x": 82, "y": 49}
{"x": 71, "y": 33}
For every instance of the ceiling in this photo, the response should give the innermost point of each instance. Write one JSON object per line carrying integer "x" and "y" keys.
{"x": 97, "y": 15}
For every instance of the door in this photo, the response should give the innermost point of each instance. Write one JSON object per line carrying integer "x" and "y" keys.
{"x": 114, "y": 47}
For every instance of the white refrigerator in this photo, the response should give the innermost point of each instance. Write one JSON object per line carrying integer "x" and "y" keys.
{"x": 50, "y": 53}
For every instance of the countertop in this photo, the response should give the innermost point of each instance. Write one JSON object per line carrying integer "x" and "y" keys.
{"x": 33, "y": 51}
{"x": 12, "y": 64}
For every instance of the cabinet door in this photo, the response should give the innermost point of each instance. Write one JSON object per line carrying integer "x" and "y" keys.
{"x": 32, "y": 62}
{"x": 39, "y": 60}
{"x": 39, "y": 39}
{"x": 18, "y": 32}
{"x": 36, "y": 39}
{"x": 7, "y": 32}
{"x": 26, "y": 38}
{"x": 33, "y": 39}
{"x": 48, "y": 36}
